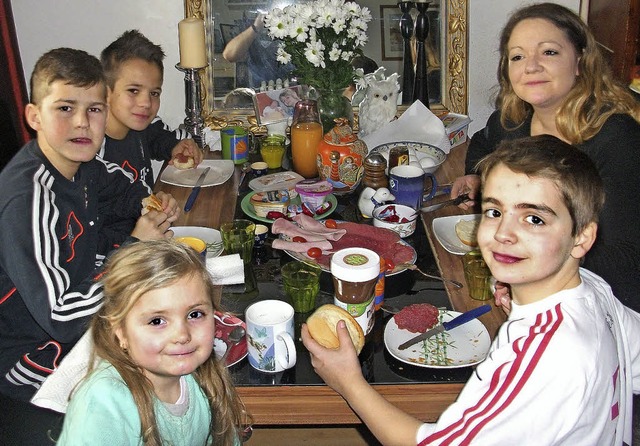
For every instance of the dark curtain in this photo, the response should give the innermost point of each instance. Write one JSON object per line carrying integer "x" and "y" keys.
{"x": 14, "y": 132}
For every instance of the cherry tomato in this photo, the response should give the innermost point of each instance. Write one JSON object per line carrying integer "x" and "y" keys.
{"x": 299, "y": 239}
{"x": 274, "y": 215}
{"x": 390, "y": 265}
{"x": 330, "y": 223}
{"x": 314, "y": 253}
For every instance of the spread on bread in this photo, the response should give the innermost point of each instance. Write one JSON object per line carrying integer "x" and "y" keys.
{"x": 322, "y": 327}
{"x": 182, "y": 161}
{"x": 151, "y": 203}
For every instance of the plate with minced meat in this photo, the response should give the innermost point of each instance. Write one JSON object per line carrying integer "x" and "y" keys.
{"x": 463, "y": 346}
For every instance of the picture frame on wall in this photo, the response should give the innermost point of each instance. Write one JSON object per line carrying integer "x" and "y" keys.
{"x": 392, "y": 44}
{"x": 276, "y": 105}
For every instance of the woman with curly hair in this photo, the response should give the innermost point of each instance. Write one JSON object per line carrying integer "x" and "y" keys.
{"x": 554, "y": 80}
{"x": 155, "y": 379}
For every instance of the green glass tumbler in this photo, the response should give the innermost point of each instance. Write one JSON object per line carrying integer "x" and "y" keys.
{"x": 238, "y": 237}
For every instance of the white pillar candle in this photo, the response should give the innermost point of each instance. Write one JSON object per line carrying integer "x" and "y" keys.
{"x": 192, "y": 46}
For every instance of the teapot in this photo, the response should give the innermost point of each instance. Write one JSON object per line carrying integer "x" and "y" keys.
{"x": 340, "y": 158}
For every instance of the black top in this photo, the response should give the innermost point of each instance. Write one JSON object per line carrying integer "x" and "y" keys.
{"x": 615, "y": 255}
{"x": 48, "y": 288}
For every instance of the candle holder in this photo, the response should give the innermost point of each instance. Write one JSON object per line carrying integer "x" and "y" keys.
{"x": 406, "y": 29}
{"x": 193, "y": 122}
{"x": 420, "y": 85}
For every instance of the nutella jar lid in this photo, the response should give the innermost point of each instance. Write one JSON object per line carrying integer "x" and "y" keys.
{"x": 355, "y": 265}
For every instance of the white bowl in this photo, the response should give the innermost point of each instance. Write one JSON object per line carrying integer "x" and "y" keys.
{"x": 429, "y": 157}
{"x": 382, "y": 213}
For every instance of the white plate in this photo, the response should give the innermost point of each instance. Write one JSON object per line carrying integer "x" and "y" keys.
{"x": 444, "y": 229}
{"x": 221, "y": 171}
{"x": 463, "y": 346}
{"x": 209, "y": 235}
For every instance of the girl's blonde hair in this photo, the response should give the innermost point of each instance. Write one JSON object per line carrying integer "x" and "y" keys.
{"x": 130, "y": 273}
{"x": 595, "y": 95}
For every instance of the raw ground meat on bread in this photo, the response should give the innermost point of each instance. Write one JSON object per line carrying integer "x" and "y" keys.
{"x": 417, "y": 318}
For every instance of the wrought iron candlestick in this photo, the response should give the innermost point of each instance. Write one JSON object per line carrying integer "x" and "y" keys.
{"x": 406, "y": 29}
{"x": 420, "y": 86}
{"x": 193, "y": 122}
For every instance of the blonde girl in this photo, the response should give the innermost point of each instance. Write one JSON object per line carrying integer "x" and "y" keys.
{"x": 156, "y": 380}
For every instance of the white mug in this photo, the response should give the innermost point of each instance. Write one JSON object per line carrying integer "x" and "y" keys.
{"x": 270, "y": 335}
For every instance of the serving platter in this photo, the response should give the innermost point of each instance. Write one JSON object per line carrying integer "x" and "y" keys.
{"x": 398, "y": 269}
{"x": 463, "y": 346}
{"x": 224, "y": 324}
{"x": 247, "y": 207}
{"x": 444, "y": 228}
{"x": 221, "y": 171}
{"x": 211, "y": 237}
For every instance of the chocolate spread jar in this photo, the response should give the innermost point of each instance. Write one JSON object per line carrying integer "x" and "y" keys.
{"x": 355, "y": 272}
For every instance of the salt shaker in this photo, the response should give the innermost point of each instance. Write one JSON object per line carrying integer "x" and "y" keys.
{"x": 374, "y": 167}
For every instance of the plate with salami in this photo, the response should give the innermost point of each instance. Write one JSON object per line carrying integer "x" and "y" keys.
{"x": 221, "y": 171}
{"x": 463, "y": 346}
{"x": 385, "y": 242}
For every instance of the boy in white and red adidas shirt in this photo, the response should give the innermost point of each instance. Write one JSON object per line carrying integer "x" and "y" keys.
{"x": 564, "y": 366}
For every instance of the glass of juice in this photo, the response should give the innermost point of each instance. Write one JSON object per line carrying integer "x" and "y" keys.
{"x": 306, "y": 133}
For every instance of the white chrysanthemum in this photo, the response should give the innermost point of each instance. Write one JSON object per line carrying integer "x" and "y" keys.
{"x": 314, "y": 53}
{"x": 282, "y": 56}
{"x": 335, "y": 53}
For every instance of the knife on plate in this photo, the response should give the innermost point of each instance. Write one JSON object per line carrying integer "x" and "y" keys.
{"x": 455, "y": 201}
{"x": 196, "y": 190}
{"x": 445, "y": 326}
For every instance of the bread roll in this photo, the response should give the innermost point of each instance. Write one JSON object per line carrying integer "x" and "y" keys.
{"x": 151, "y": 203}
{"x": 467, "y": 232}
{"x": 322, "y": 327}
{"x": 182, "y": 162}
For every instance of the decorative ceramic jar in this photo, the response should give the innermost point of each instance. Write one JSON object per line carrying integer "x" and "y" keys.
{"x": 340, "y": 158}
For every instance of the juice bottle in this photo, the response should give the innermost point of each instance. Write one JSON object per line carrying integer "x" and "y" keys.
{"x": 306, "y": 133}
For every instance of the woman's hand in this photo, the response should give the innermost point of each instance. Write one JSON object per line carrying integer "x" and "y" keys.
{"x": 469, "y": 184}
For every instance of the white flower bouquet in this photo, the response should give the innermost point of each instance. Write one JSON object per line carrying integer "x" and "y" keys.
{"x": 320, "y": 38}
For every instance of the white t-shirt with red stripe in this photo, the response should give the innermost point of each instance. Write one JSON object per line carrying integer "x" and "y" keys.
{"x": 560, "y": 371}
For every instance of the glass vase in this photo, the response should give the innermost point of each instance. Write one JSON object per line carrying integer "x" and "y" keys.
{"x": 332, "y": 104}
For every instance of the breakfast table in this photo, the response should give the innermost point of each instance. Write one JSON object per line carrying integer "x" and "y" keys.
{"x": 298, "y": 396}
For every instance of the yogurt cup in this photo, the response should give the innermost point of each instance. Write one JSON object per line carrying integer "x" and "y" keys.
{"x": 313, "y": 192}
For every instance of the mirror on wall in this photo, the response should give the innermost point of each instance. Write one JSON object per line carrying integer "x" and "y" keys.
{"x": 226, "y": 19}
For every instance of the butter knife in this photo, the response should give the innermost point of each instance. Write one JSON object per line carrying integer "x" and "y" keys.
{"x": 445, "y": 326}
{"x": 455, "y": 201}
{"x": 196, "y": 190}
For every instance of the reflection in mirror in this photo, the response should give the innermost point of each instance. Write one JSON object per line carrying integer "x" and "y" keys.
{"x": 249, "y": 59}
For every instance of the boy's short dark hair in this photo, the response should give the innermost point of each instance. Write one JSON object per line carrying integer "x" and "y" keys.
{"x": 130, "y": 45}
{"x": 75, "y": 67}
{"x": 571, "y": 170}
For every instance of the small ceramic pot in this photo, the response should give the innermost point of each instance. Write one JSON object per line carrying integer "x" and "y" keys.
{"x": 397, "y": 217}
{"x": 340, "y": 158}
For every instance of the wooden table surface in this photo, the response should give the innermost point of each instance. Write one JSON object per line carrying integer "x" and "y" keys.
{"x": 320, "y": 405}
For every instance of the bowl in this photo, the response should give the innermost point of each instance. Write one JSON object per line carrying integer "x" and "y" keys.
{"x": 397, "y": 217}
{"x": 428, "y": 156}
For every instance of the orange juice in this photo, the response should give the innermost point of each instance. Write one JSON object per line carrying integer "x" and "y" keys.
{"x": 305, "y": 137}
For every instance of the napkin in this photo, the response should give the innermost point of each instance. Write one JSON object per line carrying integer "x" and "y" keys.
{"x": 226, "y": 270}
{"x": 55, "y": 391}
{"x": 212, "y": 139}
{"x": 417, "y": 124}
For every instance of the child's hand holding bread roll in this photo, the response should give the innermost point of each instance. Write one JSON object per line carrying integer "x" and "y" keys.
{"x": 322, "y": 327}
